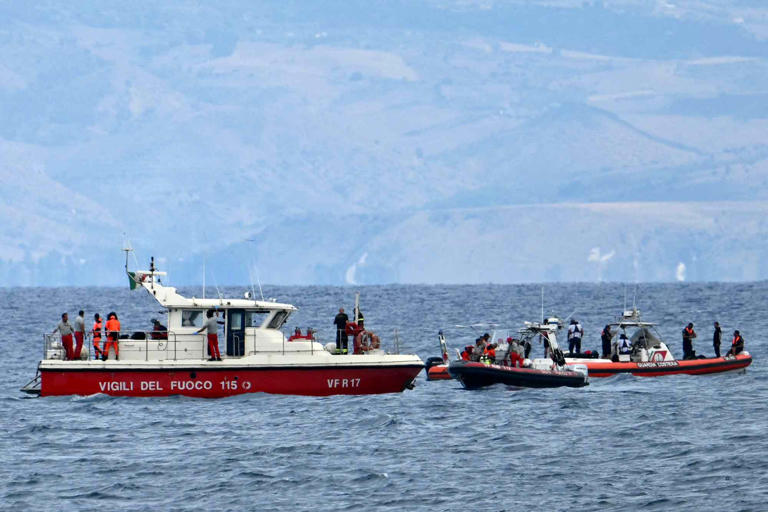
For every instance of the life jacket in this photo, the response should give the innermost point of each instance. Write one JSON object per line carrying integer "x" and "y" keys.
{"x": 492, "y": 353}
{"x": 97, "y": 331}
{"x": 113, "y": 325}
{"x": 737, "y": 340}
{"x": 688, "y": 332}
{"x": 577, "y": 332}
{"x": 624, "y": 345}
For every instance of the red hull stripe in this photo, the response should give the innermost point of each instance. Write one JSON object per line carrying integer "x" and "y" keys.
{"x": 218, "y": 367}
{"x": 692, "y": 367}
{"x": 215, "y": 383}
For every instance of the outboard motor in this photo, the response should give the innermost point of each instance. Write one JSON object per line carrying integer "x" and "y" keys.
{"x": 580, "y": 368}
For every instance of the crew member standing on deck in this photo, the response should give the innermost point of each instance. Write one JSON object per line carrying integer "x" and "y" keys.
{"x": 688, "y": 335}
{"x": 606, "y": 336}
{"x": 65, "y": 329}
{"x": 79, "y": 333}
{"x": 113, "y": 334}
{"x": 716, "y": 337}
{"x": 575, "y": 332}
{"x": 212, "y": 325}
{"x": 97, "y": 326}
{"x": 342, "y": 340}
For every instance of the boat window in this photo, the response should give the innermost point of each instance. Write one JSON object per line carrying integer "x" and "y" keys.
{"x": 278, "y": 320}
{"x": 191, "y": 317}
{"x": 255, "y": 318}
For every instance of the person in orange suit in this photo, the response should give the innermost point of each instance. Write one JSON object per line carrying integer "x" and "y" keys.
{"x": 113, "y": 334}
{"x": 98, "y": 325}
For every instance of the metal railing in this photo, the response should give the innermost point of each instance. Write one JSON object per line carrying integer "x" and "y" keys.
{"x": 168, "y": 348}
{"x": 54, "y": 349}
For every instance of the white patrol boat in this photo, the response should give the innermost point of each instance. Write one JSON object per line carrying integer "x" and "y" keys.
{"x": 257, "y": 357}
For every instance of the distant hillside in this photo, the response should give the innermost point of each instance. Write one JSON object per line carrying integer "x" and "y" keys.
{"x": 431, "y": 141}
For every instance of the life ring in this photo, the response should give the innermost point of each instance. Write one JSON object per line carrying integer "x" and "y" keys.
{"x": 352, "y": 329}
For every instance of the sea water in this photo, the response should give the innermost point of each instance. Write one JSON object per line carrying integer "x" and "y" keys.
{"x": 622, "y": 443}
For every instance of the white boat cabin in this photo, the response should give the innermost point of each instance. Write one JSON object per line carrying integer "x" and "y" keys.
{"x": 247, "y": 327}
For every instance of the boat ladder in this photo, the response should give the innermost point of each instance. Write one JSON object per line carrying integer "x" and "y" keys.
{"x": 33, "y": 387}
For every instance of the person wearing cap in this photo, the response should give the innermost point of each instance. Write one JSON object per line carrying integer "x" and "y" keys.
{"x": 688, "y": 335}
{"x": 159, "y": 331}
{"x": 737, "y": 345}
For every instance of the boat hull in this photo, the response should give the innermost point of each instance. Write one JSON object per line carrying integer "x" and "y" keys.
{"x": 474, "y": 375}
{"x": 604, "y": 368}
{"x": 222, "y": 381}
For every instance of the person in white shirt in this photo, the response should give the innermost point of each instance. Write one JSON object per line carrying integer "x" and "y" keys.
{"x": 212, "y": 326}
{"x": 575, "y": 333}
{"x": 79, "y": 333}
{"x": 625, "y": 346}
{"x": 65, "y": 329}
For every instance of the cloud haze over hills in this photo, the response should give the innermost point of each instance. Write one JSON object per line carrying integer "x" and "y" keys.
{"x": 416, "y": 142}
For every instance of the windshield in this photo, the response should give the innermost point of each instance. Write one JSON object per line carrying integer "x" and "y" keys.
{"x": 278, "y": 320}
{"x": 644, "y": 337}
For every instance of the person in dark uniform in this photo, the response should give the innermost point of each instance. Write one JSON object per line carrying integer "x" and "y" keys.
{"x": 688, "y": 335}
{"x": 716, "y": 339}
{"x": 606, "y": 336}
{"x": 342, "y": 340}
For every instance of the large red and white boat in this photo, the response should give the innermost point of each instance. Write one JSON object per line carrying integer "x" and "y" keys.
{"x": 651, "y": 357}
{"x": 258, "y": 357}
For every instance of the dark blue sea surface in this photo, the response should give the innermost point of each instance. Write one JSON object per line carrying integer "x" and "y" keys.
{"x": 623, "y": 443}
